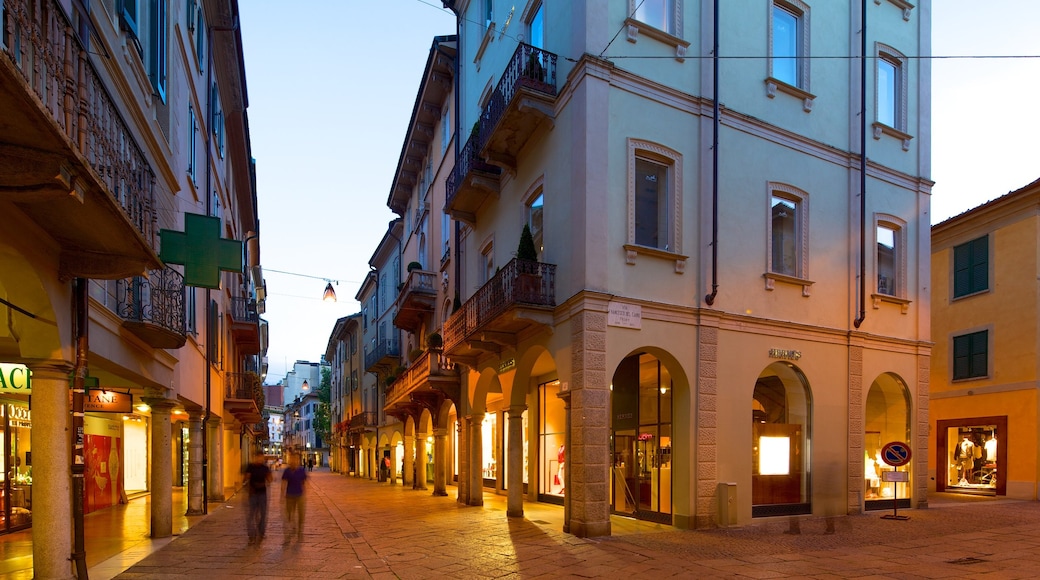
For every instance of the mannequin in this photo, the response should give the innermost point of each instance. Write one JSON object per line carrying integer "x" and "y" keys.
{"x": 964, "y": 454}
{"x": 991, "y": 449}
{"x": 561, "y": 457}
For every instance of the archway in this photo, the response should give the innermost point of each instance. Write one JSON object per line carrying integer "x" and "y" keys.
{"x": 781, "y": 408}
{"x": 886, "y": 419}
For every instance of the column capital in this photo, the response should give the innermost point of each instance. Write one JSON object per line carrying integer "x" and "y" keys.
{"x": 517, "y": 411}
{"x": 50, "y": 369}
{"x": 160, "y": 405}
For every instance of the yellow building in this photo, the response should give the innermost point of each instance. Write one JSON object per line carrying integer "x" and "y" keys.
{"x": 984, "y": 375}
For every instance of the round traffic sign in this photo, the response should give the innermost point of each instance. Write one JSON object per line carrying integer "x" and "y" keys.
{"x": 896, "y": 453}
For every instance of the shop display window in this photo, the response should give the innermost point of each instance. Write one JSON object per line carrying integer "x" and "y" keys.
{"x": 972, "y": 452}
{"x": 489, "y": 438}
{"x": 552, "y": 442}
{"x": 780, "y": 411}
{"x": 886, "y": 420}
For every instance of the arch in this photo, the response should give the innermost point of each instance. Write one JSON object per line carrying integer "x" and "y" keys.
{"x": 25, "y": 338}
{"x": 887, "y": 417}
{"x": 536, "y": 361}
{"x": 781, "y": 413}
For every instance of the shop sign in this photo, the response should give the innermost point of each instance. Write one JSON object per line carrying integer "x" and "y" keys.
{"x": 15, "y": 378}
{"x": 108, "y": 402}
{"x": 506, "y": 365}
{"x": 18, "y": 416}
{"x": 625, "y": 315}
{"x": 785, "y": 354}
{"x": 645, "y": 436}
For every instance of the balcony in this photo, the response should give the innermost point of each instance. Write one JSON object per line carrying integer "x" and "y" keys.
{"x": 366, "y": 421}
{"x": 523, "y": 101}
{"x": 67, "y": 159}
{"x": 471, "y": 182}
{"x": 243, "y": 397}
{"x": 427, "y": 383}
{"x": 519, "y": 299}
{"x": 417, "y": 300}
{"x": 152, "y": 307}
{"x": 245, "y": 325}
{"x": 385, "y": 355}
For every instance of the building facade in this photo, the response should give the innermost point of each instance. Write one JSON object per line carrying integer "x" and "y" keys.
{"x": 983, "y": 400}
{"x": 349, "y": 417}
{"x": 118, "y": 125}
{"x": 725, "y": 313}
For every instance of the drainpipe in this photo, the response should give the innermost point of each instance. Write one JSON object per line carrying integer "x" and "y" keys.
{"x": 80, "y": 313}
{"x": 710, "y": 298}
{"x": 862, "y": 167}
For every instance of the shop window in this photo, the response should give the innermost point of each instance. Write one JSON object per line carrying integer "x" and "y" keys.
{"x": 780, "y": 411}
{"x": 886, "y": 420}
{"x": 974, "y": 451}
{"x": 551, "y": 445}
{"x": 971, "y": 267}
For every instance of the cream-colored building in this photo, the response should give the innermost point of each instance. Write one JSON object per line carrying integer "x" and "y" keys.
{"x": 983, "y": 409}
{"x": 725, "y": 316}
{"x": 117, "y": 124}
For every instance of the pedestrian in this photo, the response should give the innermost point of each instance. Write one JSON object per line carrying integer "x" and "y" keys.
{"x": 310, "y": 464}
{"x": 293, "y": 479}
{"x": 257, "y": 476}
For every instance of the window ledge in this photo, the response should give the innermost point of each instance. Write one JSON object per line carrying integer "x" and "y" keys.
{"x": 902, "y": 302}
{"x": 969, "y": 295}
{"x": 902, "y": 4}
{"x": 489, "y": 35}
{"x": 883, "y": 129}
{"x": 635, "y": 27}
{"x": 772, "y": 278}
{"x": 773, "y": 85}
{"x": 633, "y": 250}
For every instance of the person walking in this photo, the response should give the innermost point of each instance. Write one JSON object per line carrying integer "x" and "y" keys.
{"x": 257, "y": 476}
{"x": 293, "y": 479}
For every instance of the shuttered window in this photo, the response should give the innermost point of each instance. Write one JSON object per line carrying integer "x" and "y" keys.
{"x": 971, "y": 355}
{"x": 971, "y": 267}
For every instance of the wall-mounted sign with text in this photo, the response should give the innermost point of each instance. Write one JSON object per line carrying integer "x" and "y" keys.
{"x": 15, "y": 378}
{"x": 785, "y": 354}
{"x": 108, "y": 402}
{"x": 624, "y": 315}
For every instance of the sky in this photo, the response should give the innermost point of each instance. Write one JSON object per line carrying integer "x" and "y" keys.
{"x": 331, "y": 89}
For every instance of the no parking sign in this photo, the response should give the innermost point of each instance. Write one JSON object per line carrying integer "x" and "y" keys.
{"x": 896, "y": 453}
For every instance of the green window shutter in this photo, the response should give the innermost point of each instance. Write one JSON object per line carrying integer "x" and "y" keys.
{"x": 961, "y": 270}
{"x": 980, "y": 264}
{"x": 128, "y": 16}
{"x": 971, "y": 355}
{"x": 961, "y": 356}
{"x": 971, "y": 267}
{"x": 979, "y": 353}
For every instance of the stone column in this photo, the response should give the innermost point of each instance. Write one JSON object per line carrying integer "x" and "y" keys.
{"x": 215, "y": 461}
{"x": 566, "y": 396}
{"x": 392, "y": 474}
{"x": 420, "y": 461}
{"x": 476, "y": 460}
{"x": 463, "y": 456}
{"x": 407, "y": 478}
{"x": 52, "y": 456}
{"x": 162, "y": 467}
{"x": 229, "y": 452}
{"x": 440, "y": 461}
{"x": 196, "y": 503}
{"x": 515, "y": 462}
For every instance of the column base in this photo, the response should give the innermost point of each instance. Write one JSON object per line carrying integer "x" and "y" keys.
{"x": 440, "y": 494}
{"x": 514, "y": 513}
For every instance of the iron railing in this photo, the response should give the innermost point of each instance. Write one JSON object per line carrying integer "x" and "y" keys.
{"x": 531, "y": 68}
{"x": 427, "y": 364}
{"x": 362, "y": 420}
{"x": 157, "y": 298}
{"x": 243, "y": 310}
{"x": 387, "y": 347}
{"x": 45, "y": 48}
{"x": 239, "y": 386}
{"x": 467, "y": 161}
{"x": 519, "y": 282}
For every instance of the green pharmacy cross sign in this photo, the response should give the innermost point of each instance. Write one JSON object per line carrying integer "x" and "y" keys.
{"x": 201, "y": 250}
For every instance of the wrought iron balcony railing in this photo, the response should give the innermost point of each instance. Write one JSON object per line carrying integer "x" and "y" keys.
{"x": 244, "y": 310}
{"x": 243, "y": 387}
{"x": 467, "y": 161}
{"x": 46, "y": 49}
{"x": 154, "y": 307}
{"x": 520, "y": 282}
{"x": 531, "y": 68}
{"x": 385, "y": 348}
{"x": 362, "y": 420}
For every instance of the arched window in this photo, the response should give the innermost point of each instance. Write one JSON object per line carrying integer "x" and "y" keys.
{"x": 780, "y": 424}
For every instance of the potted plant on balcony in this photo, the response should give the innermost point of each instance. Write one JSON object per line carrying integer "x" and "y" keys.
{"x": 533, "y": 69}
{"x": 414, "y": 266}
{"x": 528, "y": 275}
{"x": 434, "y": 342}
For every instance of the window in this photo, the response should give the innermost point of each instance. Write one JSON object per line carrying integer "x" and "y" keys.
{"x": 536, "y": 27}
{"x": 192, "y": 145}
{"x": 217, "y": 121}
{"x": 890, "y": 95}
{"x": 199, "y": 31}
{"x": 157, "y": 60}
{"x": 534, "y": 221}
{"x": 128, "y": 17}
{"x": 446, "y": 235}
{"x": 887, "y": 260}
{"x": 487, "y": 262}
{"x": 787, "y": 237}
{"x": 445, "y": 129}
{"x": 488, "y": 12}
{"x": 970, "y": 355}
{"x": 190, "y": 324}
{"x": 661, "y": 14}
{"x": 654, "y": 186}
{"x": 789, "y": 45}
{"x": 971, "y": 267}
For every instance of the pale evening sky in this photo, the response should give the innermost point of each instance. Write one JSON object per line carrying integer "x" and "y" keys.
{"x": 331, "y": 90}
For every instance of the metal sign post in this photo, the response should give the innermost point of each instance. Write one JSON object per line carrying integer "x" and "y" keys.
{"x": 895, "y": 454}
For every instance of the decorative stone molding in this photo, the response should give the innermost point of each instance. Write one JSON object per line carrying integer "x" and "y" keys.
{"x": 775, "y": 85}
{"x": 883, "y": 129}
{"x": 772, "y": 278}
{"x": 903, "y": 5}
{"x": 904, "y": 304}
{"x": 632, "y": 250}
{"x": 634, "y": 27}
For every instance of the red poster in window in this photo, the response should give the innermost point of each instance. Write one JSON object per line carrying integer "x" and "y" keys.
{"x": 103, "y": 484}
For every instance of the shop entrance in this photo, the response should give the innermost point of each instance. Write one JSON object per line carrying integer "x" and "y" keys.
{"x": 641, "y": 403}
{"x": 975, "y": 453}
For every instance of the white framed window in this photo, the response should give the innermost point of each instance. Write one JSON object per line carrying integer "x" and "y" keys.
{"x": 487, "y": 261}
{"x": 788, "y": 62}
{"x": 489, "y": 11}
{"x": 890, "y": 260}
{"x": 660, "y": 20}
{"x": 654, "y": 202}
{"x": 445, "y": 235}
{"x": 445, "y": 129}
{"x": 890, "y": 94}
{"x": 788, "y": 240}
{"x": 193, "y": 132}
{"x": 536, "y": 26}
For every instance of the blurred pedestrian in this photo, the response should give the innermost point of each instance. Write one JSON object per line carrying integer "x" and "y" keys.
{"x": 293, "y": 479}
{"x": 257, "y": 476}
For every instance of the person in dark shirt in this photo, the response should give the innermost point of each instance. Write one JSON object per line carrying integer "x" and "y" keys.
{"x": 293, "y": 479}
{"x": 257, "y": 476}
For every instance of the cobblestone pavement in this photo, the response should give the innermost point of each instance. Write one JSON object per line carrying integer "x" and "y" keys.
{"x": 363, "y": 529}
